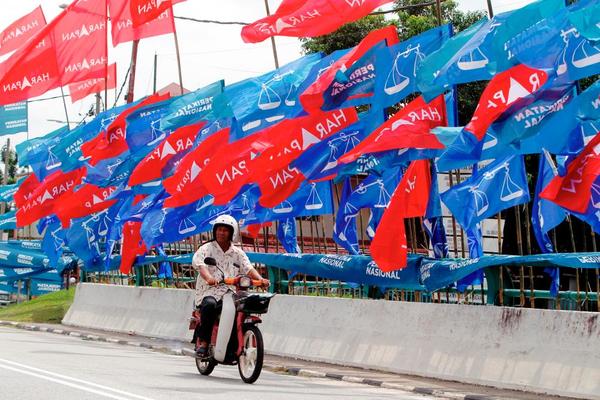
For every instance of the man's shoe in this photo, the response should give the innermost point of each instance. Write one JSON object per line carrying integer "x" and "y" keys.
{"x": 202, "y": 350}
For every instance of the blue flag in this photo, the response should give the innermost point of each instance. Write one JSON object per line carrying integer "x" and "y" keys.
{"x": 545, "y": 214}
{"x": 8, "y": 191}
{"x": 344, "y": 231}
{"x": 500, "y": 185}
{"x": 479, "y": 52}
{"x": 263, "y": 100}
{"x": 54, "y": 241}
{"x": 437, "y": 235}
{"x": 87, "y": 238}
{"x": 397, "y": 65}
{"x": 577, "y": 122}
{"x": 286, "y": 233}
{"x": 192, "y": 107}
{"x": 555, "y": 44}
{"x": 475, "y": 244}
{"x": 38, "y": 153}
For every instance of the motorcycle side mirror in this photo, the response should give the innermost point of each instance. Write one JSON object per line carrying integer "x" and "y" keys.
{"x": 210, "y": 261}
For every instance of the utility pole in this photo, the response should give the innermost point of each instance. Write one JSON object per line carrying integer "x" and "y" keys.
{"x": 490, "y": 9}
{"x": 275, "y": 58}
{"x": 134, "y": 51}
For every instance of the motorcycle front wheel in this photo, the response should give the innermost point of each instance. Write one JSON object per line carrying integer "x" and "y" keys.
{"x": 205, "y": 367}
{"x": 251, "y": 361}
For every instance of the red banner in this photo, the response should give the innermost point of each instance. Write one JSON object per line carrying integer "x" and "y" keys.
{"x": 175, "y": 145}
{"x": 145, "y": 11}
{"x": 17, "y": 33}
{"x": 94, "y": 84}
{"x": 408, "y": 128}
{"x": 133, "y": 245}
{"x": 410, "y": 199}
{"x": 123, "y": 29}
{"x": 302, "y": 18}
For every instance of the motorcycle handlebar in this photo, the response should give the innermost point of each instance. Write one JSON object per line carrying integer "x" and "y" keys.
{"x": 235, "y": 281}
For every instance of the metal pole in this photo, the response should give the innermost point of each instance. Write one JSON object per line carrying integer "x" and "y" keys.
{"x": 520, "y": 249}
{"x": 178, "y": 60}
{"x": 155, "y": 71}
{"x": 275, "y": 58}
{"x": 490, "y": 9}
{"x": 528, "y": 242}
{"x": 62, "y": 91}
{"x": 501, "y": 269}
{"x": 134, "y": 50}
{"x": 438, "y": 11}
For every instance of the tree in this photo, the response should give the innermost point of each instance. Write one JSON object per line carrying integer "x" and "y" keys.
{"x": 12, "y": 164}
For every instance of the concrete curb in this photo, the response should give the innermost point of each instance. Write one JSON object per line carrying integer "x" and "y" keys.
{"x": 277, "y": 368}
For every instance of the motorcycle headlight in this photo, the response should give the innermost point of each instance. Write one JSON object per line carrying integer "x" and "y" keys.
{"x": 245, "y": 282}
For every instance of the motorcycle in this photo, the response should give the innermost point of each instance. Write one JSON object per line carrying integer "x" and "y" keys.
{"x": 236, "y": 338}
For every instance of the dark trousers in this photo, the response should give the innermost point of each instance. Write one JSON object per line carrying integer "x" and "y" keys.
{"x": 209, "y": 310}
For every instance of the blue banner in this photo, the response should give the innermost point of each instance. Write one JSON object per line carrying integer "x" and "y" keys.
{"x": 13, "y": 118}
{"x": 498, "y": 186}
{"x": 38, "y": 153}
{"x": 286, "y": 233}
{"x": 9, "y": 220}
{"x": 355, "y": 269}
{"x": 344, "y": 231}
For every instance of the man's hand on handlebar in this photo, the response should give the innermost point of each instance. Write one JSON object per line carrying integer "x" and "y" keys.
{"x": 212, "y": 282}
{"x": 265, "y": 283}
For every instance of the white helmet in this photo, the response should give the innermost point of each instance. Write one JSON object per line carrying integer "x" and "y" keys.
{"x": 228, "y": 221}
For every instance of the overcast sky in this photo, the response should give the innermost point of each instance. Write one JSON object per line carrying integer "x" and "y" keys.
{"x": 209, "y": 52}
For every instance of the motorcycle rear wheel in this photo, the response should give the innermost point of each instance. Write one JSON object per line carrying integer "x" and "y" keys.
{"x": 205, "y": 367}
{"x": 250, "y": 362}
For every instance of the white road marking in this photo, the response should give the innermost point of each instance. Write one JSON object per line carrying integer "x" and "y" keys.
{"x": 70, "y": 381}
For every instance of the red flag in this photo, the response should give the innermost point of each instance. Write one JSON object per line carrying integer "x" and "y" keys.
{"x": 574, "y": 190}
{"x": 228, "y": 170}
{"x": 302, "y": 18}
{"x": 312, "y": 98}
{"x": 45, "y": 196}
{"x": 279, "y": 185}
{"x": 254, "y": 229}
{"x": 133, "y": 245}
{"x": 64, "y": 51}
{"x": 504, "y": 90}
{"x": 410, "y": 199}
{"x": 21, "y": 30}
{"x": 95, "y": 83}
{"x": 85, "y": 201}
{"x": 123, "y": 29}
{"x": 184, "y": 186}
{"x": 144, "y": 11}
{"x": 26, "y": 189}
{"x": 408, "y": 128}
{"x": 112, "y": 142}
{"x": 175, "y": 145}
{"x": 290, "y": 138}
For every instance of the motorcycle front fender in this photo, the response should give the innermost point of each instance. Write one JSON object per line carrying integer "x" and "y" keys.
{"x": 228, "y": 313}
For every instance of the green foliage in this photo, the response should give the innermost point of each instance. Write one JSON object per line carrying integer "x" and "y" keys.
{"x": 49, "y": 308}
{"x": 347, "y": 36}
{"x": 12, "y": 164}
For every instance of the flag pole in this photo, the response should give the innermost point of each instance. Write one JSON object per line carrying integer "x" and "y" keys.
{"x": 275, "y": 58}
{"x": 178, "y": 55}
{"x": 490, "y": 9}
{"x": 62, "y": 91}
{"x": 134, "y": 50}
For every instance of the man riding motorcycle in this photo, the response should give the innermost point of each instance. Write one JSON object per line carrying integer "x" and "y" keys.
{"x": 231, "y": 261}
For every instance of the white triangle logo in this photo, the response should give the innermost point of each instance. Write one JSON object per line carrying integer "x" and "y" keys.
{"x": 167, "y": 150}
{"x": 25, "y": 83}
{"x": 281, "y": 25}
{"x": 516, "y": 91}
{"x": 83, "y": 31}
{"x": 96, "y": 199}
{"x": 195, "y": 171}
{"x": 46, "y": 196}
{"x": 253, "y": 155}
{"x": 84, "y": 64}
{"x": 18, "y": 32}
{"x": 308, "y": 139}
{"x": 159, "y": 2}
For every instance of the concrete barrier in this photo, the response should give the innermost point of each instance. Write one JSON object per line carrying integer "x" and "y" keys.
{"x": 554, "y": 352}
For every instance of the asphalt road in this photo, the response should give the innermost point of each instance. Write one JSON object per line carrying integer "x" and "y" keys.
{"x": 36, "y": 365}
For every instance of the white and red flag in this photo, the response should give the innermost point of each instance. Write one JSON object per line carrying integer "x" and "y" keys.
{"x": 23, "y": 29}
